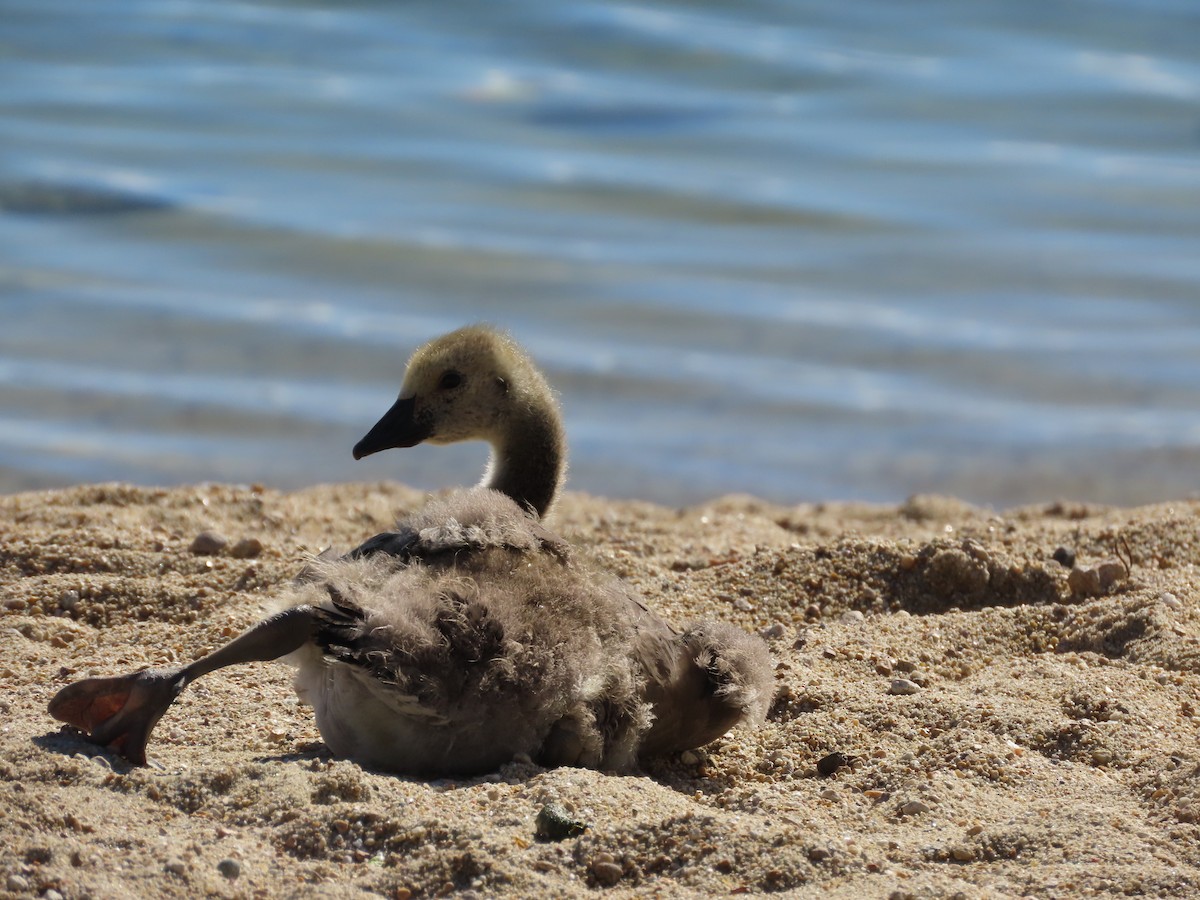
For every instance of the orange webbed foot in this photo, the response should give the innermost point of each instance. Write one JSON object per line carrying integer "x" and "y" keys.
{"x": 119, "y": 712}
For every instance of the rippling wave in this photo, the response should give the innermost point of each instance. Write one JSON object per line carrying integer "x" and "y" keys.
{"x": 802, "y": 250}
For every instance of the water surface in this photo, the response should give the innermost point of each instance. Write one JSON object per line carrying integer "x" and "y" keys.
{"x": 810, "y": 251}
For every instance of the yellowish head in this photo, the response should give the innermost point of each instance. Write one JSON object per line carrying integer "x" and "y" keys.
{"x": 470, "y": 384}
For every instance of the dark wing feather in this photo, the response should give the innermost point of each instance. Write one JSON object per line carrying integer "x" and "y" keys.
{"x": 408, "y": 544}
{"x": 403, "y": 545}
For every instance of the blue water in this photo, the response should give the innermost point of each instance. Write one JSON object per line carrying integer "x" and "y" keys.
{"x": 809, "y": 251}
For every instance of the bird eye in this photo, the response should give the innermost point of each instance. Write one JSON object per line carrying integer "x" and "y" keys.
{"x": 450, "y": 380}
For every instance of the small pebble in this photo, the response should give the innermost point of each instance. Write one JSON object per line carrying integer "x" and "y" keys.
{"x": 176, "y": 866}
{"x": 554, "y": 823}
{"x": 772, "y": 632}
{"x": 689, "y": 757}
{"x": 903, "y": 687}
{"x": 852, "y": 617}
{"x": 962, "y": 853}
{"x": 913, "y": 808}
{"x": 68, "y": 600}
{"x": 51, "y": 894}
{"x": 1111, "y": 571}
{"x": 831, "y": 762}
{"x": 1170, "y": 600}
{"x": 246, "y": 548}
{"x": 1065, "y": 557}
{"x": 230, "y": 868}
{"x": 1084, "y": 582}
{"x": 208, "y": 543}
{"x": 830, "y": 794}
{"x": 1098, "y": 579}
{"x": 17, "y": 883}
{"x": 14, "y": 603}
{"x": 742, "y": 604}
{"x": 607, "y": 873}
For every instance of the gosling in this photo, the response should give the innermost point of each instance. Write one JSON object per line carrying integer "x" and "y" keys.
{"x": 471, "y": 635}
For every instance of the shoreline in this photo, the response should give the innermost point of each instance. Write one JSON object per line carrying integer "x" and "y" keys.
{"x": 1043, "y": 740}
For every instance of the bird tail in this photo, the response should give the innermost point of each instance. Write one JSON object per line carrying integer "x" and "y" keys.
{"x": 738, "y": 665}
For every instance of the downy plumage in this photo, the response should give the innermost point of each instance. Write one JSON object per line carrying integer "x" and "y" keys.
{"x": 472, "y": 634}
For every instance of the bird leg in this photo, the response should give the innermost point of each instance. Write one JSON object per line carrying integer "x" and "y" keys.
{"x": 121, "y": 712}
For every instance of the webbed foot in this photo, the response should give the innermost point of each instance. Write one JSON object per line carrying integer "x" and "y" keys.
{"x": 120, "y": 713}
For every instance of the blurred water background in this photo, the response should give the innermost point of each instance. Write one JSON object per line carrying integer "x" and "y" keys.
{"x": 807, "y": 250}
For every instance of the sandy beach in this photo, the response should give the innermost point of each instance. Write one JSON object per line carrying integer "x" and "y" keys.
{"x": 1002, "y": 726}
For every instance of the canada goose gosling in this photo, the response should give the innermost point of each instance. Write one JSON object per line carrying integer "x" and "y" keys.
{"x": 469, "y": 636}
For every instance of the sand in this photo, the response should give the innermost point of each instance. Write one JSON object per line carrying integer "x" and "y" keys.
{"x": 1002, "y": 734}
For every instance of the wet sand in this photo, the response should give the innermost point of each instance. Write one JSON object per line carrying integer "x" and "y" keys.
{"x": 1001, "y": 733}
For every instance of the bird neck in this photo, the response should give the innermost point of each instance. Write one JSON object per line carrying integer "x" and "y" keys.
{"x": 528, "y": 459}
